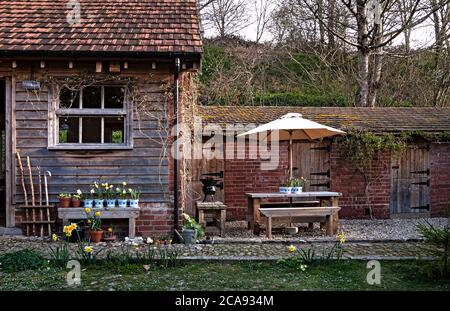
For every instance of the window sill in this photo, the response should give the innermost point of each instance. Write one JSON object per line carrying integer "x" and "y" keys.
{"x": 89, "y": 147}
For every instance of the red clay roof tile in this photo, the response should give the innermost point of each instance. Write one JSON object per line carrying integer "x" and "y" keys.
{"x": 105, "y": 25}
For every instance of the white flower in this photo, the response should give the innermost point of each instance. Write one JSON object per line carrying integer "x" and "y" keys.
{"x": 149, "y": 240}
{"x": 79, "y": 192}
{"x": 92, "y": 190}
{"x": 124, "y": 184}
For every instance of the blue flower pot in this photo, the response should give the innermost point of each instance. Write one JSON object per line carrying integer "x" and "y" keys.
{"x": 134, "y": 203}
{"x": 99, "y": 203}
{"x": 122, "y": 203}
{"x": 111, "y": 203}
{"x": 88, "y": 203}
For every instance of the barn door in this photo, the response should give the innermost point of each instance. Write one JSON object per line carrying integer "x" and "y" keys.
{"x": 312, "y": 161}
{"x": 411, "y": 181}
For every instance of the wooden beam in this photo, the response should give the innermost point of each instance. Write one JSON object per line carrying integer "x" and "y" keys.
{"x": 98, "y": 67}
{"x": 10, "y": 167}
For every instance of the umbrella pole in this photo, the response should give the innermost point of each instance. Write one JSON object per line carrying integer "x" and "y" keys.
{"x": 290, "y": 156}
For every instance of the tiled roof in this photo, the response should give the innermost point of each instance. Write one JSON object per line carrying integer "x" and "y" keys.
{"x": 145, "y": 26}
{"x": 427, "y": 119}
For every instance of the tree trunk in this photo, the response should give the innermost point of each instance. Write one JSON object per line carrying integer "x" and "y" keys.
{"x": 363, "y": 92}
{"x": 331, "y": 24}
{"x": 377, "y": 65}
{"x": 363, "y": 54}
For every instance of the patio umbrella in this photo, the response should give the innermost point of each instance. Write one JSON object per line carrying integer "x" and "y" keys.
{"x": 293, "y": 126}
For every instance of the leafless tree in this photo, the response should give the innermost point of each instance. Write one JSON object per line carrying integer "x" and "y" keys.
{"x": 373, "y": 26}
{"x": 262, "y": 17}
{"x": 226, "y": 17}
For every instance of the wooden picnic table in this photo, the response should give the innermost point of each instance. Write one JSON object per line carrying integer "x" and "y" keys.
{"x": 326, "y": 198}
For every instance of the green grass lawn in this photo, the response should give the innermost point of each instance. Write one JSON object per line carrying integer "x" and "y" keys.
{"x": 347, "y": 275}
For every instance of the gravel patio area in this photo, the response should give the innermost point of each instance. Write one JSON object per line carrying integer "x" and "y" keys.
{"x": 355, "y": 231}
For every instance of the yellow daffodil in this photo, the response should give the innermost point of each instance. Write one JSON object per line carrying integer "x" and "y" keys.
{"x": 89, "y": 221}
{"x": 87, "y": 210}
{"x": 341, "y": 238}
{"x": 130, "y": 190}
{"x": 111, "y": 186}
{"x": 292, "y": 248}
{"x": 110, "y": 230}
{"x": 97, "y": 214}
{"x": 118, "y": 189}
{"x": 54, "y": 237}
{"x": 88, "y": 249}
{"x": 124, "y": 191}
{"x": 124, "y": 184}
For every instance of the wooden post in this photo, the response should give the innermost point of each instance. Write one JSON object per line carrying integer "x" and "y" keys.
{"x": 269, "y": 227}
{"x": 250, "y": 213}
{"x": 223, "y": 218}
{"x": 335, "y": 216}
{"x": 329, "y": 225}
{"x": 256, "y": 216}
{"x": 24, "y": 188}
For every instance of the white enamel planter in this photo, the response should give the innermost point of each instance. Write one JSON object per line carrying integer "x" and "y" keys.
{"x": 111, "y": 203}
{"x": 122, "y": 203}
{"x": 285, "y": 190}
{"x": 297, "y": 190}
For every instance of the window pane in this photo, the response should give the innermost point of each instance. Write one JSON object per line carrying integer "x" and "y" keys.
{"x": 114, "y": 97}
{"x": 114, "y": 130}
{"x": 92, "y": 128}
{"x": 69, "y": 99}
{"x": 68, "y": 130}
{"x": 92, "y": 97}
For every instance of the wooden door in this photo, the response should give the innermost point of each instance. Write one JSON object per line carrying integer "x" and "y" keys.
{"x": 215, "y": 167}
{"x": 312, "y": 161}
{"x": 411, "y": 181}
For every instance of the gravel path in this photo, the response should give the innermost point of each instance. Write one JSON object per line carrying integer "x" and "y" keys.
{"x": 355, "y": 230}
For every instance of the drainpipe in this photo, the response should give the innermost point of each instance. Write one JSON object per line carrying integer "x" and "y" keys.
{"x": 175, "y": 153}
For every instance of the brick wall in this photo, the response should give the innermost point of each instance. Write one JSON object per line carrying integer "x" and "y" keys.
{"x": 245, "y": 175}
{"x": 155, "y": 220}
{"x": 242, "y": 176}
{"x": 440, "y": 178}
{"x": 351, "y": 183}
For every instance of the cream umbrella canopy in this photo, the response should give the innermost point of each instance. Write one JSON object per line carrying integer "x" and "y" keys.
{"x": 293, "y": 126}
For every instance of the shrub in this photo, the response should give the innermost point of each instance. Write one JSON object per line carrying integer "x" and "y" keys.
{"x": 21, "y": 261}
{"x": 438, "y": 240}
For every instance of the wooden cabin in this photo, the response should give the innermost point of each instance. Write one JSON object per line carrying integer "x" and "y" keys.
{"x": 87, "y": 93}
{"x": 413, "y": 183}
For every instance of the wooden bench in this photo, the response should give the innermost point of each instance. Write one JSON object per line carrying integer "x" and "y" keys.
{"x": 330, "y": 214}
{"x": 130, "y": 213}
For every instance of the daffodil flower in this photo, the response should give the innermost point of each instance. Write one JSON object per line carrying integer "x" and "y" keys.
{"x": 292, "y": 248}
{"x": 87, "y": 210}
{"x": 97, "y": 214}
{"x": 124, "y": 184}
{"x": 54, "y": 237}
{"x": 88, "y": 249}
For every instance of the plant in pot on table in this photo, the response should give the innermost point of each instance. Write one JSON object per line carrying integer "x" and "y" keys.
{"x": 191, "y": 230}
{"x": 110, "y": 195}
{"x": 98, "y": 201}
{"x": 89, "y": 202}
{"x": 297, "y": 185}
{"x": 76, "y": 198}
{"x": 64, "y": 200}
{"x": 94, "y": 223}
{"x": 134, "y": 201}
{"x": 285, "y": 187}
{"x": 122, "y": 196}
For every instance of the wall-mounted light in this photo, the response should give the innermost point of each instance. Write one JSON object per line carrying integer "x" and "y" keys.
{"x": 14, "y": 64}
{"x": 70, "y": 65}
{"x": 42, "y": 64}
{"x": 125, "y": 65}
{"x": 153, "y": 65}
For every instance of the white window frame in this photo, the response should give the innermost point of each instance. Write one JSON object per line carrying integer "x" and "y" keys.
{"x": 55, "y": 112}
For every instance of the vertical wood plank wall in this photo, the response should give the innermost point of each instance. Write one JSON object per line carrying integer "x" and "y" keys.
{"x": 143, "y": 167}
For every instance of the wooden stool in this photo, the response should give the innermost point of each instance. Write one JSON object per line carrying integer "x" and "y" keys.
{"x": 212, "y": 213}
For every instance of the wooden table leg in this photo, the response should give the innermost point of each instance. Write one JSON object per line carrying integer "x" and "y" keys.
{"x": 223, "y": 218}
{"x": 256, "y": 216}
{"x": 269, "y": 227}
{"x": 201, "y": 218}
{"x": 131, "y": 227}
{"x": 250, "y": 213}
{"x": 335, "y": 203}
{"x": 329, "y": 225}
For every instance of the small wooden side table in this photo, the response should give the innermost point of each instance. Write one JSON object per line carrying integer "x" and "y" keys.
{"x": 212, "y": 216}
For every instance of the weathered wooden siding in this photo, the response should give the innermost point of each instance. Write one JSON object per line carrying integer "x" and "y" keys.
{"x": 144, "y": 167}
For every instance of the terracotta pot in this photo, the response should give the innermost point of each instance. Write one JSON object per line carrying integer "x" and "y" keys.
{"x": 76, "y": 203}
{"x": 96, "y": 236}
{"x": 64, "y": 202}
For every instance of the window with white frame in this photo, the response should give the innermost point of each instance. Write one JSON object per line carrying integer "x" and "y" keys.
{"x": 93, "y": 117}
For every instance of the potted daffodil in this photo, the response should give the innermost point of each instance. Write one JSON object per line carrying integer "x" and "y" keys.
{"x": 134, "y": 201}
{"x": 94, "y": 223}
{"x": 122, "y": 196}
{"x": 89, "y": 202}
{"x": 76, "y": 198}
{"x": 98, "y": 201}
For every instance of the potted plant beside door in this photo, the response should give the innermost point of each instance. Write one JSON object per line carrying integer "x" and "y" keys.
{"x": 191, "y": 230}
{"x": 64, "y": 200}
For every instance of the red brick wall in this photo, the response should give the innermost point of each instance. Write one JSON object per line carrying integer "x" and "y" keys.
{"x": 155, "y": 220}
{"x": 243, "y": 176}
{"x": 351, "y": 183}
{"x": 440, "y": 178}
